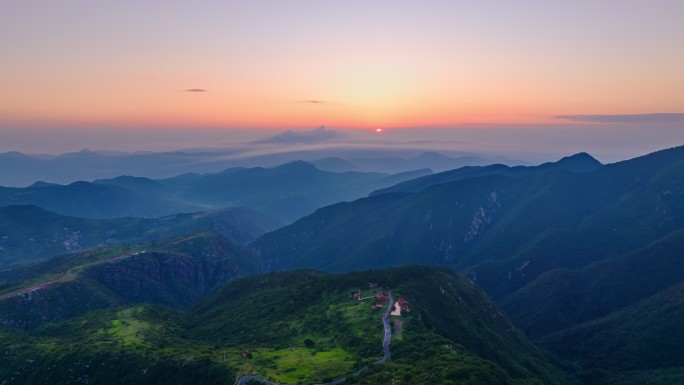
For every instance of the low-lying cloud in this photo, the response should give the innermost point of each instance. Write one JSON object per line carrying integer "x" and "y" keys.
{"x": 317, "y": 135}
{"x": 195, "y": 90}
{"x": 627, "y": 118}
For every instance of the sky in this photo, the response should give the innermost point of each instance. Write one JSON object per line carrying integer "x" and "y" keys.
{"x": 537, "y": 75}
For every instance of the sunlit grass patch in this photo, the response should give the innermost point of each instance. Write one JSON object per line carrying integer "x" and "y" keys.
{"x": 295, "y": 365}
{"x": 129, "y": 330}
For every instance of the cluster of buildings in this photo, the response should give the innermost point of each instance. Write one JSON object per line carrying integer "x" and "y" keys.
{"x": 401, "y": 305}
{"x": 381, "y": 297}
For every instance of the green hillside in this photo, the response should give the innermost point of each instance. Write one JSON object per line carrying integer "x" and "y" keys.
{"x": 650, "y": 349}
{"x": 617, "y": 317}
{"x": 562, "y": 298}
{"x": 298, "y": 327}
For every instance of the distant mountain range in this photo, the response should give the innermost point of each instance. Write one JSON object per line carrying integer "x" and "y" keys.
{"x": 21, "y": 170}
{"x": 286, "y": 192}
{"x": 393, "y": 164}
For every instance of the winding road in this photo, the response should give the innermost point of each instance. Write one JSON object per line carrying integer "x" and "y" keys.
{"x": 388, "y": 332}
{"x": 386, "y": 340}
{"x": 244, "y": 380}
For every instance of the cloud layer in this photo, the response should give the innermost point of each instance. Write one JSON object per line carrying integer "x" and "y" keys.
{"x": 317, "y": 135}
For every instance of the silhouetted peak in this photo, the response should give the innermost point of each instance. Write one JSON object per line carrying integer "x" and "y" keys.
{"x": 581, "y": 157}
{"x": 297, "y": 165}
{"x": 14, "y": 155}
{"x": 432, "y": 156}
{"x": 334, "y": 164}
{"x": 40, "y": 183}
{"x": 580, "y": 162}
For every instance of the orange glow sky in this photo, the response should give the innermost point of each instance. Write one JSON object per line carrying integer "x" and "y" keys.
{"x": 369, "y": 64}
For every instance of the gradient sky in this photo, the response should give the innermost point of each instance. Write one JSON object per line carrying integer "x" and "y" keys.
{"x": 272, "y": 65}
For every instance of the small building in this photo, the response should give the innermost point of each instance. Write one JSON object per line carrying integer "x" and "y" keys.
{"x": 247, "y": 354}
{"x": 357, "y": 296}
{"x": 373, "y": 284}
{"x": 382, "y": 295}
{"x": 403, "y": 304}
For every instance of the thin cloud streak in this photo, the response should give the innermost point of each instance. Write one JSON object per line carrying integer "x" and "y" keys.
{"x": 195, "y": 90}
{"x": 626, "y": 118}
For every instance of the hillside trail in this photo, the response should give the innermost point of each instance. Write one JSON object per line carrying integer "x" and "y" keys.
{"x": 64, "y": 276}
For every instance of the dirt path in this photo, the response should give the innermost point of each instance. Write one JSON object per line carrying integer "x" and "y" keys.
{"x": 64, "y": 276}
{"x": 184, "y": 239}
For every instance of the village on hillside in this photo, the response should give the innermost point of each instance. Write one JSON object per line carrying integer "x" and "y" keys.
{"x": 381, "y": 296}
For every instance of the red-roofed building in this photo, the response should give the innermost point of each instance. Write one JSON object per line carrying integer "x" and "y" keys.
{"x": 403, "y": 304}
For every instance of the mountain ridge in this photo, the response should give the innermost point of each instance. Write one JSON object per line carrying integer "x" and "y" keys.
{"x": 581, "y": 162}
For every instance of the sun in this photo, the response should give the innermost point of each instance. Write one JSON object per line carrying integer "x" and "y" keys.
{"x": 378, "y": 130}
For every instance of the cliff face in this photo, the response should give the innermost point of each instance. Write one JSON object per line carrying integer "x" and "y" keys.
{"x": 170, "y": 279}
{"x": 174, "y": 277}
